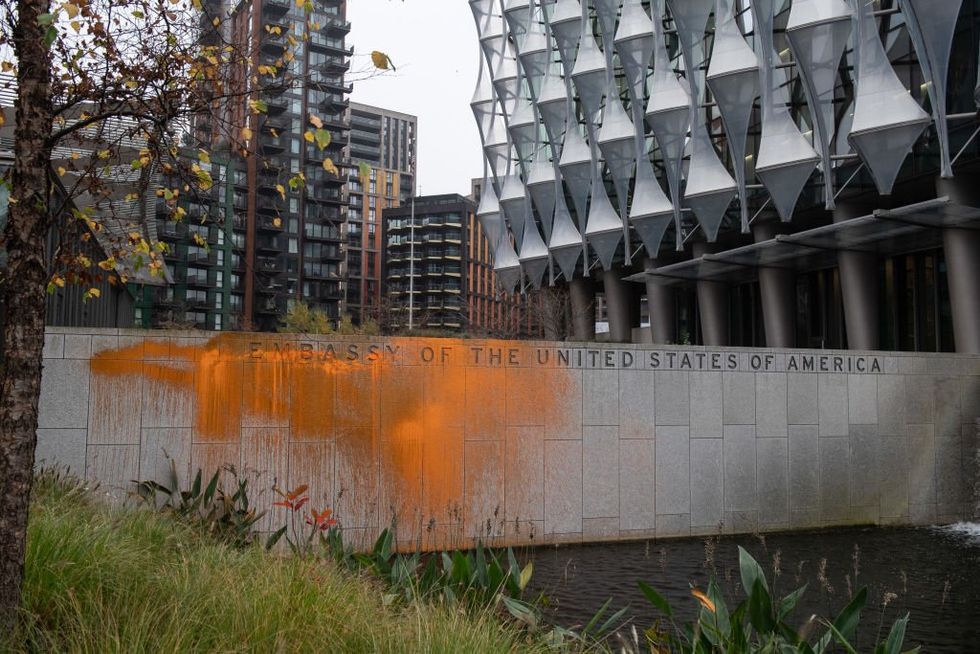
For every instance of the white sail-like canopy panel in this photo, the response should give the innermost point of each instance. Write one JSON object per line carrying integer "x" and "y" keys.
{"x": 786, "y": 159}
{"x": 534, "y": 54}
{"x": 931, "y": 25}
{"x": 488, "y": 213}
{"x": 514, "y": 204}
{"x": 534, "y": 253}
{"x": 506, "y": 265}
{"x": 541, "y": 185}
{"x": 507, "y": 82}
{"x": 817, "y": 32}
{"x": 605, "y": 229}
{"x": 524, "y": 128}
{"x": 710, "y": 188}
{"x": 607, "y": 11}
{"x": 668, "y": 114}
{"x": 482, "y": 104}
{"x": 566, "y": 243}
{"x": 733, "y": 77}
{"x": 576, "y": 168}
{"x": 634, "y": 43}
{"x": 497, "y": 148}
{"x": 552, "y": 104}
{"x": 589, "y": 75}
{"x": 887, "y": 120}
{"x": 566, "y": 28}
{"x": 616, "y": 142}
{"x": 516, "y": 13}
{"x": 650, "y": 211}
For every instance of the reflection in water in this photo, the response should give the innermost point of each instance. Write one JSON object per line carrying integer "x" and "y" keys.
{"x": 933, "y": 573}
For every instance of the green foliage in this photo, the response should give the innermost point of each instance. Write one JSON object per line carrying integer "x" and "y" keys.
{"x": 225, "y": 515}
{"x": 303, "y": 319}
{"x": 759, "y": 623}
{"x": 122, "y": 580}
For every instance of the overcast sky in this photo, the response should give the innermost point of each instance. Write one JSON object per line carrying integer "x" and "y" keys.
{"x": 434, "y": 48}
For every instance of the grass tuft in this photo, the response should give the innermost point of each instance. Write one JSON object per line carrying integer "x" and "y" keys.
{"x": 101, "y": 579}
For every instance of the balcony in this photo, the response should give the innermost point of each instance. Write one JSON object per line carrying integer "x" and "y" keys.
{"x": 271, "y": 305}
{"x": 269, "y": 144}
{"x": 197, "y": 279}
{"x": 267, "y": 204}
{"x": 272, "y": 224}
{"x": 268, "y": 266}
{"x": 335, "y": 25}
{"x": 269, "y": 245}
{"x": 276, "y": 7}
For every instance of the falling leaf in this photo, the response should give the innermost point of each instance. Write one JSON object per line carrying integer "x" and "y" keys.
{"x": 364, "y": 170}
{"x": 282, "y": 190}
{"x": 315, "y": 121}
{"x": 246, "y": 134}
{"x": 330, "y": 167}
{"x": 277, "y": 222}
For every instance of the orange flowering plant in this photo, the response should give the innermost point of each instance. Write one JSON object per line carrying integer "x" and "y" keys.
{"x": 301, "y": 534}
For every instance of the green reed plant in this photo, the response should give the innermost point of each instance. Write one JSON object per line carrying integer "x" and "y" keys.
{"x": 760, "y": 622}
{"x": 224, "y": 514}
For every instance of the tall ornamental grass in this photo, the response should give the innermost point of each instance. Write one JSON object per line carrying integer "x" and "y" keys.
{"x": 100, "y": 579}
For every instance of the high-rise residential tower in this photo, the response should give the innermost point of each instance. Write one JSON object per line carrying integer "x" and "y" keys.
{"x": 382, "y": 152}
{"x": 270, "y": 242}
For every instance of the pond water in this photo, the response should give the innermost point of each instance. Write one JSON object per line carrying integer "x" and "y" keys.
{"x": 932, "y": 573}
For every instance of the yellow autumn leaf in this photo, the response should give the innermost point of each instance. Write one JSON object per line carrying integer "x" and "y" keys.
{"x": 108, "y": 264}
{"x": 308, "y": 135}
{"x": 203, "y": 156}
{"x": 71, "y": 9}
{"x": 277, "y": 222}
{"x": 246, "y": 134}
{"x": 329, "y": 167}
{"x": 381, "y": 60}
{"x": 315, "y": 121}
{"x": 61, "y": 171}
{"x": 282, "y": 190}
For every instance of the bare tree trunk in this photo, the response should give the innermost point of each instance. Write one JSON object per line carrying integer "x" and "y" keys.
{"x": 23, "y": 297}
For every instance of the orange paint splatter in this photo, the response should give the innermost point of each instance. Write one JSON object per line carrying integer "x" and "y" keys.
{"x": 398, "y": 411}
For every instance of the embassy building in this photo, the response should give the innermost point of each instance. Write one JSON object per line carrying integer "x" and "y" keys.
{"x": 778, "y": 173}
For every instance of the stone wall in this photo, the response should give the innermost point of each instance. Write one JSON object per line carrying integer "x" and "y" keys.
{"x": 524, "y": 441}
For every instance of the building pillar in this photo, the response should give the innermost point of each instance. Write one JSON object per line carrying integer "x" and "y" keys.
{"x": 963, "y": 276}
{"x": 618, "y": 300}
{"x": 661, "y": 305}
{"x": 713, "y": 307}
{"x": 582, "y": 298}
{"x": 962, "y": 248}
{"x": 859, "y": 281}
{"x": 778, "y": 294}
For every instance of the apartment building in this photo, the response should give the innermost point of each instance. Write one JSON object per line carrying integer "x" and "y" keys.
{"x": 382, "y": 146}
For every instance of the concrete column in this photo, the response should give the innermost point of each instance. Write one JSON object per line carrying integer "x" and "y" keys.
{"x": 661, "y": 304}
{"x": 582, "y": 297}
{"x": 962, "y": 248}
{"x": 963, "y": 275}
{"x": 713, "y": 307}
{"x": 859, "y": 288}
{"x": 778, "y": 293}
{"x": 618, "y": 299}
